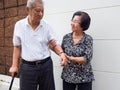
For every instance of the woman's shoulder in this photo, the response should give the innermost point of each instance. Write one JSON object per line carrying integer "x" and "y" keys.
{"x": 87, "y": 36}
{"x": 67, "y": 35}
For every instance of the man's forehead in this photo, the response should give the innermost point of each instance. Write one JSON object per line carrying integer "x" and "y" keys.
{"x": 38, "y": 6}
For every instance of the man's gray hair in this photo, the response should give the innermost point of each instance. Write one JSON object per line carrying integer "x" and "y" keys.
{"x": 30, "y": 3}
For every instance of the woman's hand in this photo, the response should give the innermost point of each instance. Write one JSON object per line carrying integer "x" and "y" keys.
{"x": 69, "y": 57}
{"x": 63, "y": 59}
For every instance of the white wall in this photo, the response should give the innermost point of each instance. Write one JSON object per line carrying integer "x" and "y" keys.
{"x": 105, "y": 29}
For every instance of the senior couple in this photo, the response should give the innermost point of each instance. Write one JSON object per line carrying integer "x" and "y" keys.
{"x": 34, "y": 38}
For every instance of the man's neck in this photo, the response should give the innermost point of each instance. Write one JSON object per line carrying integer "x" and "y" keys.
{"x": 33, "y": 24}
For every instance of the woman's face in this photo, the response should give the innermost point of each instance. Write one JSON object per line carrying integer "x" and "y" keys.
{"x": 75, "y": 23}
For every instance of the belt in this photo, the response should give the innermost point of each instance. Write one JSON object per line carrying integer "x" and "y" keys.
{"x": 36, "y": 62}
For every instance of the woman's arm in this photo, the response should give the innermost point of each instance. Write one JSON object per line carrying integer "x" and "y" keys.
{"x": 79, "y": 60}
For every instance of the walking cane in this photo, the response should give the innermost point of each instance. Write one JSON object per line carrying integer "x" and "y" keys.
{"x": 12, "y": 81}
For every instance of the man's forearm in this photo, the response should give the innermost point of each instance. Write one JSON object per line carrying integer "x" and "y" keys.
{"x": 55, "y": 47}
{"x": 16, "y": 55}
{"x": 58, "y": 50}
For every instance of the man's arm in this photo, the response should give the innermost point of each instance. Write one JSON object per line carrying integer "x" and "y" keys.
{"x": 16, "y": 56}
{"x": 59, "y": 51}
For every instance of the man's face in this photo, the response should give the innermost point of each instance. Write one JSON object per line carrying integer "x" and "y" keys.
{"x": 36, "y": 13}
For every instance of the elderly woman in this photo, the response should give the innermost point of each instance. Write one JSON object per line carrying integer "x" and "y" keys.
{"x": 78, "y": 47}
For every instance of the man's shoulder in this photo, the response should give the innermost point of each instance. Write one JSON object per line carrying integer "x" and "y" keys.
{"x": 46, "y": 25}
{"x": 44, "y": 22}
{"x": 21, "y": 21}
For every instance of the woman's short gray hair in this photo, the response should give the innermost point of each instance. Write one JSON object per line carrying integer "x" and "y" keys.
{"x": 30, "y": 3}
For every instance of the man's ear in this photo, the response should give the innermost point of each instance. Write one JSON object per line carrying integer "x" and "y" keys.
{"x": 27, "y": 10}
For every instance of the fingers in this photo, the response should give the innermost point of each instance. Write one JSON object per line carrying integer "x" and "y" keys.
{"x": 13, "y": 71}
{"x": 63, "y": 59}
{"x": 15, "y": 74}
{"x": 63, "y": 62}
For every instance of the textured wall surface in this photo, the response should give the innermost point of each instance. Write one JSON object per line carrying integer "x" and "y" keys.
{"x": 10, "y": 12}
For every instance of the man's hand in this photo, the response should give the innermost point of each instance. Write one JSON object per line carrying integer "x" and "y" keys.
{"x": 13, "y": 70}
{"x": 63, "y": 59}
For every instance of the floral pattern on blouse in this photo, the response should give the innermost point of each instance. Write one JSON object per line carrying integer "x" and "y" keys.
{"x": 75, "y": 72}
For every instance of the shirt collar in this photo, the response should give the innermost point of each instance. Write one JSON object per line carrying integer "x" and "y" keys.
{"x": 27, "y": 24}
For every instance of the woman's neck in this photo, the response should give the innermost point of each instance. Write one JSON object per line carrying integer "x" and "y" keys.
{"x": 78, "y": 34}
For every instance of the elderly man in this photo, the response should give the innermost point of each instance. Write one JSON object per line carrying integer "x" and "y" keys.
{"x": 33, "y": 38}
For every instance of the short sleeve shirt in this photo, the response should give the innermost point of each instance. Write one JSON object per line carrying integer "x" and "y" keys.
{"x": 34, "y": 43}
{"x": 74, "y": 72}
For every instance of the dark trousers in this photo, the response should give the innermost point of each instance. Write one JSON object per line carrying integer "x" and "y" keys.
{"x": 80, "y": 86}
{"x": 38, "y": 77}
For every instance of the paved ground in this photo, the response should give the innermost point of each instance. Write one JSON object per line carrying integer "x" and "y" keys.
{"x": 5, "y": 82}
{"x": 5, "y": 87}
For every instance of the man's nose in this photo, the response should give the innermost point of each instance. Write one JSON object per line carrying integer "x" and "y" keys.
{"x": 40, "y": 13}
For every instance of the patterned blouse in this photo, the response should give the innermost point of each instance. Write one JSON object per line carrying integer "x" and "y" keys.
{"x": 75, "y": 72}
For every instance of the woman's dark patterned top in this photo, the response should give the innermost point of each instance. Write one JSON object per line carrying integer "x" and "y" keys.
{"x": 75, "y": 72}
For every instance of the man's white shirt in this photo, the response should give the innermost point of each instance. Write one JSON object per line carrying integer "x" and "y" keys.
{"x": 34, "y": 43}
